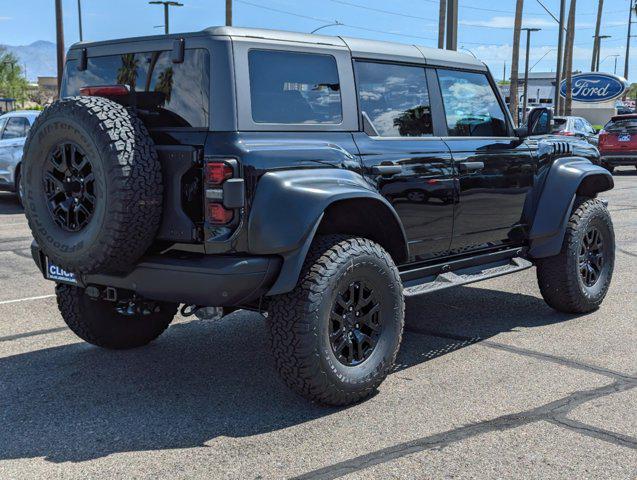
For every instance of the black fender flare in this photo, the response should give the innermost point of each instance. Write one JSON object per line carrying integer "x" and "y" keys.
{"x": 287, "y": 210}
{"x": 567, "y": 178}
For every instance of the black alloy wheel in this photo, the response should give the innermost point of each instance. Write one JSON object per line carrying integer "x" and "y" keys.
{"x": 591, "y": 256}
{"x": 355, "y": 324}
{"x": 69, "y": 185}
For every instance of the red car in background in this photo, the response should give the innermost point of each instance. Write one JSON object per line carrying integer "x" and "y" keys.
{"x": 618, "y": 142}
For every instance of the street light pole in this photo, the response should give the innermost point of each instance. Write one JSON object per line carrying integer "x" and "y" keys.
{"x": 526, "y": 69}
{"x": 79, "y": 18}
{"x": 336, "y": 22}
{"x": 167, "y": 5}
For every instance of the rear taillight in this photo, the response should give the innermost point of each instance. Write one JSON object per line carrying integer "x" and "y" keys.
{"x": 217, "y": 214}
{"x": 218, "y": 172}
{"x": 104, "y": 91}
{"x": 221, "y": 195}
{"x": 602, "y": 138}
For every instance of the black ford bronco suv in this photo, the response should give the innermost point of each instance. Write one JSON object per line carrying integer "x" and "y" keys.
{"x": 320, "y": 180}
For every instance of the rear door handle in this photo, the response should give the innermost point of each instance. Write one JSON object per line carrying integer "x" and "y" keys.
{"x": 390, "y": 169}
{"x": 466, "y": 167}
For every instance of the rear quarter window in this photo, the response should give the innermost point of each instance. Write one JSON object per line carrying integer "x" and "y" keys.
{"x": 167, "y": 94}
{"x": 294, "y": 88}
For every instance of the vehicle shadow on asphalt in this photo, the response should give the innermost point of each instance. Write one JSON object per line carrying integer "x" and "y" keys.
{"x": 9, "y": 204}
{"x": 203, "y": 380}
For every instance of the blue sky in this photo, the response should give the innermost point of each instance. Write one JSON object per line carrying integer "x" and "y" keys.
{"x": 486, "y": 27}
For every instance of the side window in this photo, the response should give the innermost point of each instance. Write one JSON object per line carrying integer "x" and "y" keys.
{"x": 471, "y": 106}
{"x": 3, "y": 121}
{"x": 294, "y": 88}
{"x": 168, "y": 94}
{"x": 579, "y": 126}
{"x": 395, "y": 98}
{"x": 17, "y": 127}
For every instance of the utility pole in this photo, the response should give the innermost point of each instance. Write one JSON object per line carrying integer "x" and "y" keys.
{"x": 441, "y": 23}
{"x": 515, "y": 60}
{"x": 228, "y": 13}
{"x": 568, "y": 58}
{"x": 167, "y": 5}
{"x": 595, "y": 59}
{"x": 452, "y": 24}
{"x": 526, "y": 69}
{"x": 504, "y": 72}
{"x": 557, "y": 100}
{"x": 79, "y": 18}
{"x": 59, "y": 40}
{"x": 630, "y": 22}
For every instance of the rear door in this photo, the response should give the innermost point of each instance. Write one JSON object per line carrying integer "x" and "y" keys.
{"x": 494, "y": 168}
{"x": 403, "y": 154}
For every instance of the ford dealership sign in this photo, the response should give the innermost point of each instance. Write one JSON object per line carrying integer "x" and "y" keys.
{"x": 595, "y": 87}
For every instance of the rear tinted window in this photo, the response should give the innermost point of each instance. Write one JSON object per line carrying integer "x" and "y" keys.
{"x": 395, "y": 98}
{"x": 294, "y": 88}
{"x": 471, "y": 106}
{"x": 168, "y": 94}
{"x": 621, "y": 125}
{"x": 559, "y": 125}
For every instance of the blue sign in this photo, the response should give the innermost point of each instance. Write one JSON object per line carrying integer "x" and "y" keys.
{"x": 595, "y": 87}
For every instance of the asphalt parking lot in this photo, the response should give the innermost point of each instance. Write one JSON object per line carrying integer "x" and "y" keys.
{"x": 491, "y": 383}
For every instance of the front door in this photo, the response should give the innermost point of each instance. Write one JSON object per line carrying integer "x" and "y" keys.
{"x": 494, "y": 169}
{"x": 400, "y": 154}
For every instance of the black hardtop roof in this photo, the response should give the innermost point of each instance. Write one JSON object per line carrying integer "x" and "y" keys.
{"x": 359, "y": 47}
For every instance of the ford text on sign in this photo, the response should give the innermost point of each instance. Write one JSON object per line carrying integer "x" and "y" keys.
{"x": 595, "y": 87}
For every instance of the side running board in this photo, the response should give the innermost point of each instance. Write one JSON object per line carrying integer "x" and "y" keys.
{"x": 464, "y": 276}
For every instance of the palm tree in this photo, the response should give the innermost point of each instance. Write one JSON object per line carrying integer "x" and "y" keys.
{"x": 127, "y": 73}
{"x": 165, "y": 83}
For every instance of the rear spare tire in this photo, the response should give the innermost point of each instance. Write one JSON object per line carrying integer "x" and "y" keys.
{"x": 92, "y": 185}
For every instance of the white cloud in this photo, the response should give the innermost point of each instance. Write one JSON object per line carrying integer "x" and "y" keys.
{"x": 507, "y": 22}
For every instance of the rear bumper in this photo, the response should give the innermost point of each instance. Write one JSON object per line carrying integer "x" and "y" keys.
{"x": 194, "y": 279}
{"x": 620, "y": 158}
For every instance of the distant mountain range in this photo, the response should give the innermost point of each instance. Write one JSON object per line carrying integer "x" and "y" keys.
{"x": 39, "y": 58}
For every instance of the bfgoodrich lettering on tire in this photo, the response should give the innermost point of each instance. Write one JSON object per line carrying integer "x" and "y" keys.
{"x": 92, "y": 185}
{"x": 335, "y": 337}
{"x": 577, "y": 279}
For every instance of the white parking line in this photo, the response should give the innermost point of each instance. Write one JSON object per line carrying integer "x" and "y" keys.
{"x": 17, "y": 300}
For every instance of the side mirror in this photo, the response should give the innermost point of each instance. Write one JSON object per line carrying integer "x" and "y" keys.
{"x": 539, "y": 121}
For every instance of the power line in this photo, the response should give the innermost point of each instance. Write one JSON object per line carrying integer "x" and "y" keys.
{"x": 324, "y": 20}
{"x": 357, "y": 27}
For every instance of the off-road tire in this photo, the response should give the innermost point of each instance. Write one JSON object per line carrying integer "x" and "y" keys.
{"x": 298, "y": 321}
{"x": 98, "y": 322}
{"x": 559, "y": 277}
{"x": 128, "y": 185}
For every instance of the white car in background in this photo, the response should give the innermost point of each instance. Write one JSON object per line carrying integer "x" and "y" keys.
{"x": 14, "y": 127}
